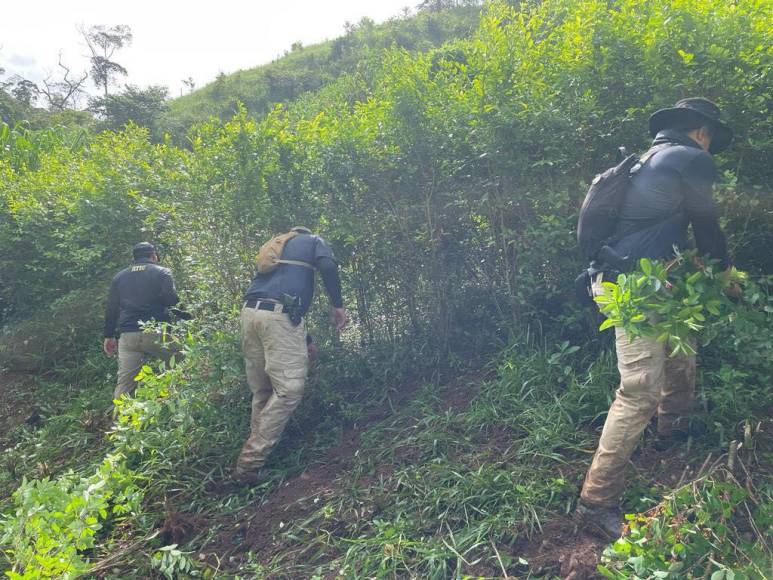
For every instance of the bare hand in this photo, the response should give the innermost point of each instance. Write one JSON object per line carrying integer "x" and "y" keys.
{"x": 338, "y": 318}
{"x": 313, "y": 352}
{"x": 110, "y": 346}
{"x": 734, "y": 290}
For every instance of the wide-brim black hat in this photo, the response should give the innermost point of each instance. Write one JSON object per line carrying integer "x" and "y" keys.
{"x": 696, "y": 110}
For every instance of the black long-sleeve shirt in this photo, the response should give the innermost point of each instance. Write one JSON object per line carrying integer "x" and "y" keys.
{"x": 142, "y": 292}
{"x": 298, "y": 281}
{"x": 671, "y": 191}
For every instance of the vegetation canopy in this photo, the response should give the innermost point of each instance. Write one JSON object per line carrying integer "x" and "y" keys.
{"x": 446, "y": 431}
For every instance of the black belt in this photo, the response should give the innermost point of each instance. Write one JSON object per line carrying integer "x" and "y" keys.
{"x": 264, "y": 305}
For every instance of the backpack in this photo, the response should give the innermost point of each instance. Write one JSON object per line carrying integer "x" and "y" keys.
{"x": 270, "y": 254}
{"x": 603, "y": 202}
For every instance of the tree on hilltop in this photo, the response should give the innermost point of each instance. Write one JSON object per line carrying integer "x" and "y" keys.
{"x": 103, "y": 42}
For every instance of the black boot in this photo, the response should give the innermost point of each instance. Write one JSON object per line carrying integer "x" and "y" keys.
{"x": 251, "y": 478}
{"x": 606, "y": 522}
{"x": 664, "y": 442}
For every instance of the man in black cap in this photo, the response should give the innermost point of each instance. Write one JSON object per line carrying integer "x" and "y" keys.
{"x": 275, "y": 340}
{"x": 671, "y": 191}
{"x": 141, "y": 293}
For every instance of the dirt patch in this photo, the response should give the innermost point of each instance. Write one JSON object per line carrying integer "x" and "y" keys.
{"x": 459, "y": 396}
{"x": 262, "y": 529}
{"x": 17, "y": 403}
{"x": 563, "y": 550}
{"x": 669, "y": 468}
{"x": 269, "y": 528}
{"x": 178, "y": 527}
{"x": 259, "y": 528}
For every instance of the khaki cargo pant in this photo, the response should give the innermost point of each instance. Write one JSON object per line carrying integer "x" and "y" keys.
{"x": 276, "y": 362}
{"x": 650, "y": 382}
{"x": 134, "y": 350}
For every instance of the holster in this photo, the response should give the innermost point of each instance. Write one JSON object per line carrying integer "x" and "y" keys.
{"x": 292, "y": 306}
{"x": 609, "y": 256}
{"x": 582, "y": 289}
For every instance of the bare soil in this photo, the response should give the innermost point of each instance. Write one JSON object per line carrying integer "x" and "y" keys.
{"x": 259, "y": 528}
{"x": 17, "y": 403}
{"x": 563, "y": 550}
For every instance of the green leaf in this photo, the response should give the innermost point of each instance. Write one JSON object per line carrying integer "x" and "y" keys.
{"x": 608, "y": 323}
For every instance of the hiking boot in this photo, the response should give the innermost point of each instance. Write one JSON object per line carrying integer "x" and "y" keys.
{"x": 606, "y": 522}
{"x": 251, "y": 478}
{"x": 664, "y": 442}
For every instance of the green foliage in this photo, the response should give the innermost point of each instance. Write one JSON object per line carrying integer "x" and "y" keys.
{"x": 57, "y": 519}
{"x": 56, "y": 336}
{"x": 448, "y": 183}
{"x": 673, "y": 302}
{"x": 173, "y": 563}
{"x": 693, "y": 533}
{"x": 305, "y": 69}
{"x": 434, "y": 487}
{"x": 72, "y": 221}
{"x": 142, "y": 107}
{"x": 55, "y": 522}
{"x": 22, "y": 149}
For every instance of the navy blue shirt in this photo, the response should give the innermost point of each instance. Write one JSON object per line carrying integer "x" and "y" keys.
{"x": 671, "y": 191}
{"x": 142, "y": 292}
{"x": 295, "y": 280}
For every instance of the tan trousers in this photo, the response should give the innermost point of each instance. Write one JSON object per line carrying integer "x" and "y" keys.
{"x": 276, "y": 362}
{"x": 650, "y": 381}
{"x": 134, "y": 350}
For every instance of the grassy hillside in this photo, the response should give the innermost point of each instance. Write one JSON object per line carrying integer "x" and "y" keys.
{"x": 307, "y": 68}
{"x": 446, "y": 431}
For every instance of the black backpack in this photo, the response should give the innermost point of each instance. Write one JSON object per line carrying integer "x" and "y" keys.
{"x": 604, "y": 200}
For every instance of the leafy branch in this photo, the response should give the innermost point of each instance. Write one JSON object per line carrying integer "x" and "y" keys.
{"x": 675, "y": 302}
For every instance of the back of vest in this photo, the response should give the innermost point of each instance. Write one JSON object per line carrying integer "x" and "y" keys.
{"x": 292, "y": 279}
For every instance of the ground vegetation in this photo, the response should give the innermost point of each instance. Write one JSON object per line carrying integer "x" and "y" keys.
{"x": 446, "y": 432}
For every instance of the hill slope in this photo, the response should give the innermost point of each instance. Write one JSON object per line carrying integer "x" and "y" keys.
{"x": 463, "y": 402}
{"x": 308, "y": 68}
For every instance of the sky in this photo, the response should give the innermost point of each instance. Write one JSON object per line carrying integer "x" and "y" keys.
{"x": 174, "y": 39}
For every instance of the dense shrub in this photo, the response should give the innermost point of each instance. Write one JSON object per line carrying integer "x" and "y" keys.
{"x": 449, "y": 186}
{"x": 447, "y": 181}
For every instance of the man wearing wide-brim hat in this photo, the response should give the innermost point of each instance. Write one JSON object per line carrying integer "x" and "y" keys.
{"x": 669, "y": 193}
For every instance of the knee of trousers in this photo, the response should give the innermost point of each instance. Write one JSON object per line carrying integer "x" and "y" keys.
{"x": 290, "y": 396}
{"x": 641, "y": 386}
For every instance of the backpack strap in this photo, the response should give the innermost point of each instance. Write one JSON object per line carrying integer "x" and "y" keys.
{"x": 296, "y": 263}
{"x": 647, "y": 156}
{"x": 614, "y": 240}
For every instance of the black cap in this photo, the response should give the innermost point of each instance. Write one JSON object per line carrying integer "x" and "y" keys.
{"x": 697, "y": 110}
{"x": 143, "y": 250}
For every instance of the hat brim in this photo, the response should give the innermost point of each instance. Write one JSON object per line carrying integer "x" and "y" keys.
{"x": 674, "y": 116}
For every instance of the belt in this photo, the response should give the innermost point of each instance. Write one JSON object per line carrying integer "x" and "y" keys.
{"x": 269, "y": 305}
